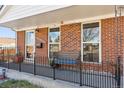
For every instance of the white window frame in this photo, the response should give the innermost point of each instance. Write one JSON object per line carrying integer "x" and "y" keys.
{"x": 54, "y": 42}
{"x": 29, "y": 44}
{"x": 100, "y": 43}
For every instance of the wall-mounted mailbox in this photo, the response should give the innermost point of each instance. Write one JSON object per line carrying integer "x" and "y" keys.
{"x": 40, "y": 45}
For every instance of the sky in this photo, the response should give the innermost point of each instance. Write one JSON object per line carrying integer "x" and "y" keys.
{"x": 7, "y": 32}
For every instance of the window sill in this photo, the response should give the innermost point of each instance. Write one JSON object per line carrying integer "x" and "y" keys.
{"x": 87, "y": 62}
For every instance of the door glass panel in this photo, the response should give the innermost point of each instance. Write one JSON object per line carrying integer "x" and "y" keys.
{"x": 54, "y": 35}
{"x": 29, "y": 51}
{"x": 30, "y": 44}
{"x": 30, "y": 38}
{"x": 53, "y": 48}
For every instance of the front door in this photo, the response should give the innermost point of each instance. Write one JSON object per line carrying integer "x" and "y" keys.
{"x": 30, "y": 45}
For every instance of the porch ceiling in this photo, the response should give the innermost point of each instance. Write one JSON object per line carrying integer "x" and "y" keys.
{"x": 57, "y": 16}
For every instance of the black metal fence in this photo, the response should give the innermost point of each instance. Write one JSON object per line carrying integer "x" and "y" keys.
{"x": 103, "y": 75}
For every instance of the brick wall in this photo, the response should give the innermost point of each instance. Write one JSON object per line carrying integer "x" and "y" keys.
{"x": 71, "y": 37}
{"x": 8, "y": 51}
{"x": 42, "y": 37}
{"x": 122, "y": 36}
{"x": 21, "y": 41}
{"x": 4, "y": 53}
{"x": 109, "y": 41}
{"x": 108, "y": 37}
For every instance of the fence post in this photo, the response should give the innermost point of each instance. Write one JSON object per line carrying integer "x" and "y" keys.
{"x": 118, "y": 72}
{"x": 80, "y": 73}
{"x": 3, "y": 54}
{"x": 54, "y": 73}
{"x": 19, "y": 63}
{"x": 19, "y": 66}
{"x": 8, "y": 59}
{"x": 34, "y": 66}
{"x": 8, "y": 64}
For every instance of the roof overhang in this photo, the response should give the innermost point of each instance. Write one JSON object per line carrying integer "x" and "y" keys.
{"x": 4, "y": 9}
{"x": 66, "y": 15}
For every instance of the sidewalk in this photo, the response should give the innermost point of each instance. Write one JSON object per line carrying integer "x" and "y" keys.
{"x": 40, "y": 80}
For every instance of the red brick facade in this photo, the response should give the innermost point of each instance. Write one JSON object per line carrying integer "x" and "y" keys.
{"x": 109, "y": 38}
{"x": 42, "y": 37}
{"x": 71, "y": 37}
{"x": 21, "y": 41}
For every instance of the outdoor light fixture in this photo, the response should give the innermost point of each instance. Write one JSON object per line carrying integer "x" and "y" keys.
{"x": 37, "y": 30}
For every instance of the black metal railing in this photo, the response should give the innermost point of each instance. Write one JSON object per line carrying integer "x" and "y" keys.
{"x": 103, "y": 75}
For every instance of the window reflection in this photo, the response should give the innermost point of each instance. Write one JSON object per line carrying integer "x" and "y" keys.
{"x": 53, "y": 49}
{"x": 30, "y": 38}
{"x": 29, "y": 51}
{"x": 29, "y": 44}
{"x": 91, "y": 34}
{"x": 54, "y": 36}
{"x": 91, "y": 52}
{"x": 91, "y": 42}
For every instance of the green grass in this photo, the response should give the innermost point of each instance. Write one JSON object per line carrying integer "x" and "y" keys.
{"x": 17, "y": 84}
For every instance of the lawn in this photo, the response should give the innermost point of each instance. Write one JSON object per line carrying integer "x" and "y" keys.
{"x": 17, "y": 84}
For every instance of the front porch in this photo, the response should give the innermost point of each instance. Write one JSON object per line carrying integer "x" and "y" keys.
{"x": 97, "y": 59}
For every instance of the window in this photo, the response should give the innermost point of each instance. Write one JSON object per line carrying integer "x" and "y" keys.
{"x": 54, "y": 41}
{"x": 91, "y": 42}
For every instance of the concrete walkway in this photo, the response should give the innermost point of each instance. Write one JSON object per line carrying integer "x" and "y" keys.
{"x": 40, "y": 80}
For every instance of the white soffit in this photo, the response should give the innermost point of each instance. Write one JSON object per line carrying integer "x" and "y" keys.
{"x": 64, "y": 15}
{"x": 21, "y": 11}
